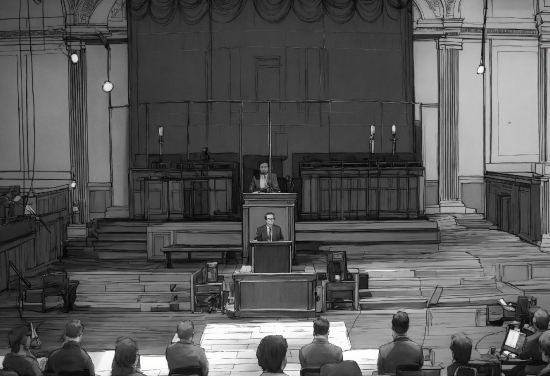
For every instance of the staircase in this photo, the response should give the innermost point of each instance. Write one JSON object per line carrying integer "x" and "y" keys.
{"x": 121, "y": 240}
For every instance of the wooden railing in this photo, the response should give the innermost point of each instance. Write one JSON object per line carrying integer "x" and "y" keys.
{"x": 52, "y": 201}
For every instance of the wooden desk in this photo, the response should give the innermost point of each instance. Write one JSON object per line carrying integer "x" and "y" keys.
{"x": 361, "y": 190}
{"x": 274, "y": 294}
{"x": 271, "y": 257}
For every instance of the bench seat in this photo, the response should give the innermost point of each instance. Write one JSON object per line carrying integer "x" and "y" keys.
{"x": 190, "y": 248}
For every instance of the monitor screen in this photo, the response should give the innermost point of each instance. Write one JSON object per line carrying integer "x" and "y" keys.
{"x": 514, "y": 341}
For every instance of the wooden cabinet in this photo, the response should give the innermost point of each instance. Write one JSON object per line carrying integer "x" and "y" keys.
{"x": 513, "y": 203}
{"x": 367, "y": 190}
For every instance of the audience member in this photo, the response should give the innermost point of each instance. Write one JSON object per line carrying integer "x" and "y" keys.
{"x": 401, "y": 350}
{"x": 320, "y": 351}
{"x": 461, "y": 348}
{"x": 544, "y": 342}
{"x": 20, "y": 359}
{"x": 70, "y": 357}
{"x": 271, "y": 355}
{"x": 126, "y": 360}
{"x": 531, "y": 349}
{"x": 345, "y": 368}
{"x": 185, "y": 353}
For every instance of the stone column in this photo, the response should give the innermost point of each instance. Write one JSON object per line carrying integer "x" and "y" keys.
{"x": 449, "y": 195}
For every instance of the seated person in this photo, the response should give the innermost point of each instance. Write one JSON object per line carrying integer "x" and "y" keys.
{"x": 20, "y": 359}
{"x": 70, "y": 357}
{"x": 185, "y": 353}
{"x": 262, "y": 182}
{"x": 271, "y": 355}
{"x": 345, "y": 368}
{"x": 461, "y": 348}
{"x": 544, "y": 343}
{"x": 269, "y": 232}
{"x": 401, "y": 351}
{"x": 320, "y": 351}
{"x": 126, "y": 359}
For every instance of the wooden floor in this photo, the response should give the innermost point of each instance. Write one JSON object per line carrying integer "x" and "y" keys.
{"x": 474, "y": 263}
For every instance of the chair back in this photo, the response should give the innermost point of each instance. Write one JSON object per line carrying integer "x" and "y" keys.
{"x": 7, "y": 372}
{"x": 186, "y": 371}
{"x": 409, "y": 370}
{"x": 54, "y": 279}
{"x": 465, "y": 371}
{"x": 310, "y": 371}
{"x": 80, "y": 372}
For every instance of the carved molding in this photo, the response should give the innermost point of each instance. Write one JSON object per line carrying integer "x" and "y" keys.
{"x": 34, "y": 33}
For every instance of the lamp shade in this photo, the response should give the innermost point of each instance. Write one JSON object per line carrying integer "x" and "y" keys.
{"x": 74, "y": 58}
{"x": 107, "y": 86}
{"x": 481, "y": 69}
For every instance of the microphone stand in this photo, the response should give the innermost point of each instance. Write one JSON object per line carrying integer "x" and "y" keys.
{"x": 33, "y": 213}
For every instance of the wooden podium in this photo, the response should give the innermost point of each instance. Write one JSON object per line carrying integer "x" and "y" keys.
{"x": 256, "y": 205}
{"x": 271, "y": 257}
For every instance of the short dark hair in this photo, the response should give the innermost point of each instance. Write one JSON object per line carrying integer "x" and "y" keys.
{"x": 400, "y": 322}
{"x": 271, "y": 353}
{"x": 541, "y": 319}
{"x": 126, "y": 352}
{"x": 268, "y": 213}
{"x": 321, "y": 326}
{"x": 185, "y": 329}
{"x": 264, "y": 162}
{"x": 461, "y": 346}
{"x": 74, "y": 329}
{"x": 16, "y": 337}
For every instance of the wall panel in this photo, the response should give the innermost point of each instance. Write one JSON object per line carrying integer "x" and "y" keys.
{"x": 10, "y": 141}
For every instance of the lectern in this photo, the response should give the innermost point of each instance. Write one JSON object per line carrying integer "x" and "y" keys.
{"x": 271, "y": 257}
{"x": 255, "y": 207}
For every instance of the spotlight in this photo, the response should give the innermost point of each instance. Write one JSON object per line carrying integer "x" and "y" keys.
{"x": 73, "y": 184}
{"x": 481, "y": 69}
{"x": 74, "y": 58}
{"x": 107, "y": 86}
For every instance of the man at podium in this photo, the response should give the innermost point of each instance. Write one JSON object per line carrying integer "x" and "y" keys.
{"x": 269, "y": 232}
{"x": 263, "y": 182}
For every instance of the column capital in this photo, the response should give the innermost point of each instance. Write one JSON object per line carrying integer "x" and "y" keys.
{"x": 543, "y": 26}
{"x": 449, "y": 43}
{"x": 450, "y": 39}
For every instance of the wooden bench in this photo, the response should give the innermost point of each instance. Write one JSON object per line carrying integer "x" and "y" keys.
{"x": 190, "y": 248}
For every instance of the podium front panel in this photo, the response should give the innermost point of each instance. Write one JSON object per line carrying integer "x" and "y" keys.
{"x": 271, "y": 257}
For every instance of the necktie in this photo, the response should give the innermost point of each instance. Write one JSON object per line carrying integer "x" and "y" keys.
{"x": 269, "y": 234}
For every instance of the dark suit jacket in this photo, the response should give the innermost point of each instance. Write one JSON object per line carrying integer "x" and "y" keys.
{"x": 186, "y": 353}
{"x": 254, "y": 185}
{"x": 71, "y": 357}
{"x": 531, "y": 349}
{"x": 347, "y": 367}
{"x": 400, "y": 351}
{"x": 319, "y": 352}
{"x": 261, "y": 234}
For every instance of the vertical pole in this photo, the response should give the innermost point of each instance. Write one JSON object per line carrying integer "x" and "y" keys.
{"x": 241, "y": 172}
{"x": 147, "y": 134}
{"x": 187, "y": 130}
{"x": 269, "y": 138}
{"x": 329, "y": 120}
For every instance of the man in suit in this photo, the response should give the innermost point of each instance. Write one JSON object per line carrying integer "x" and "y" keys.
{"x": 269, "y": 232}
{"x": 186, "y": 353}
{"x": 401, "y": 350}
{"x": 263, "y": 182}
{"x": 320, "y": 351}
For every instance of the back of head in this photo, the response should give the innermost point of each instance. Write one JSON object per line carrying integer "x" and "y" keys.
{"x": 271, "y": 352}
{"x": 541, "y": 319}
{"x": 17, "y": 337}
{"x": 344, "y": 368}
{"x": 544, "y": 342}
{"x": 73, "y": 329}
{"x": 321, "y": 326}
{"x": 126, "y": 353}
{"x": 400, "y": 322}
{"x": 461, "y": 346}
{"x": 186, "y": 329}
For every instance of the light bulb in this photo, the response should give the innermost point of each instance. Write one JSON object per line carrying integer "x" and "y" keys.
{"x": 73, "y": 184}
{"x": 481, "y": 69}
{"x": 107, "y": 86}
{"x": 74, "y": 58}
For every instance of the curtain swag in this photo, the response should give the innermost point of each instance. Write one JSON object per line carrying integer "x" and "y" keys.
{"x": 272, "y": 11}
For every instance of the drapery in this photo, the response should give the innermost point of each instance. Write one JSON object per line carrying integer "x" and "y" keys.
{"x": 272, "y": 11}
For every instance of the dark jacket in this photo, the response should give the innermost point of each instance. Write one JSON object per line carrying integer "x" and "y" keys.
{"x": 400, "y": 351}
{"x": 347, "y": 367}
{"x": 125, "y": 371}
{"x": 70, "y": 357}
{"x": 319, "y": 352}
{"x": 254, "y": 185}
{"x": 531, "y": 349}
{"x": 24, "y": 365}
{"x": 184, "y": 354}
{"x": 453, "y": 367}
{"x": 261, "y": 234}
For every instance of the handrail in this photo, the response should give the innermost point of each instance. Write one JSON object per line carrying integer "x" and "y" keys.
{"x": 21, "y": 277}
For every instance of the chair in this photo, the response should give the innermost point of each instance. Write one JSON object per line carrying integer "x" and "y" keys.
{"x": 409, "y": 370}
{"x": 186, "y": 371}
{"x": 53, "y": 284}
{"x": 465, "y": 371}
{"x": 80, "y": 372}
{"x": 310, "y": 371}
{"x": 7, "y": 372}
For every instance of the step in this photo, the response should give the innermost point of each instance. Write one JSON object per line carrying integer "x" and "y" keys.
{"x": 150, "y": 287}
{"x": 109, "y": 277}
{"x": 121, "y": 229}
{"x": 394, "y": 302}
{"x": 385, "y": 292}
{"x": 128, "y": 297}
{"x": 122, "y": 255}
{"x": 123, "y": 246}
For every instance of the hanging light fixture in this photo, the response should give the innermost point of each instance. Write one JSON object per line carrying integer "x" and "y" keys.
{"x": 107, "y": 85}
{"x": 74, "y": 57}
{"x": 481, "y": 69}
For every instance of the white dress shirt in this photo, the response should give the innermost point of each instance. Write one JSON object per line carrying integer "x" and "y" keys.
{"x": 263, "y": 181}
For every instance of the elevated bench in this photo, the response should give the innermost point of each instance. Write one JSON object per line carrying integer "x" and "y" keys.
{"x": 190, "y": 248}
